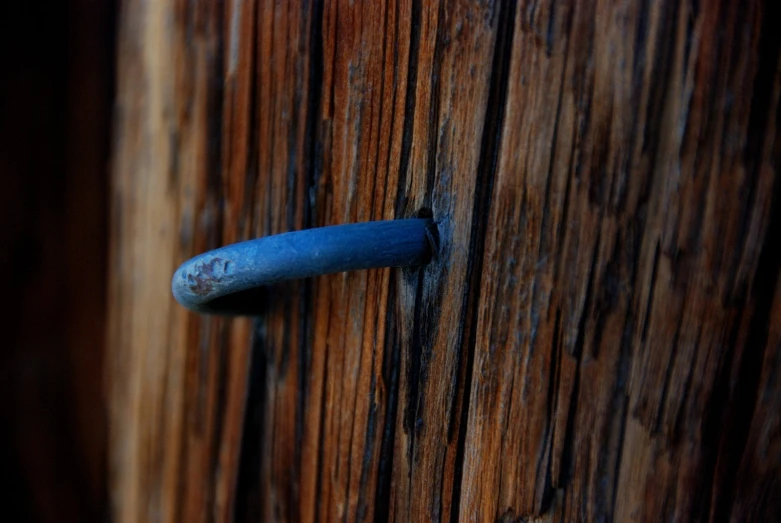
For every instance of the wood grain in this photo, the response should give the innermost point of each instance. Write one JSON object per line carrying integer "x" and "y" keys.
{"x": 598, "y": 337}
{"x": 177, "y": 381}
{"x": 619, "y": 295}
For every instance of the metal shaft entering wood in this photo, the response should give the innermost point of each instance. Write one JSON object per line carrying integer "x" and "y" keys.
{"x": 218, "y": 281}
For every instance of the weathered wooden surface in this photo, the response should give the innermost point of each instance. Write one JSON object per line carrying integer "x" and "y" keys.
{"x": 599, "y": 337}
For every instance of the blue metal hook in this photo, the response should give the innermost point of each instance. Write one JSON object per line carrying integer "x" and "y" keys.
{"x": 223, "y": 280}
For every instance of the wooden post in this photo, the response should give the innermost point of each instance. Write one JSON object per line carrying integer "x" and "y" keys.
{"x": 599, "y": 337}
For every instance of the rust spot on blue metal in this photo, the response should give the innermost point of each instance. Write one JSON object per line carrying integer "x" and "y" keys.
{"x": 206, "y": 275}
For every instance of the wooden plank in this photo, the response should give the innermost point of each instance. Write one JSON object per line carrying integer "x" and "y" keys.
{"x": 629, "y": 214}
{"x": 583, "y": 347}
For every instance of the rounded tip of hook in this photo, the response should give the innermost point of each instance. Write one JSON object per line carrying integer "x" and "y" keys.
{"x": 201, "y": 279}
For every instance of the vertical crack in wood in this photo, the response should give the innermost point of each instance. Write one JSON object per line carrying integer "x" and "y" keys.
{"x": 313, "y": 168}
{"x": 415, "y": 372}
{"x": 402, "y": 198}
{"x": 409, "y": 107}
{"x": 741, "y": 375}
{"x": 390, "y": 372}
{"x": 247, "y": 506}
{"x": 486, "y": 171}
{"x": 368, "y": 453}
{"x": 314, "y": 139}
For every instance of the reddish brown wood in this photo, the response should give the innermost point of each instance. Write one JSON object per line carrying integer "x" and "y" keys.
{"x": 177, "y": 381}
{"x": 619, "y": 296}
{"x": 598, "y": 336}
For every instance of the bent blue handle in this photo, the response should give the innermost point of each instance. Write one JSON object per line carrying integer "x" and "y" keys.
{"x": 207, "y": 282}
